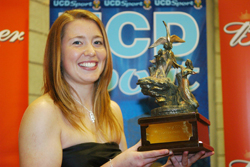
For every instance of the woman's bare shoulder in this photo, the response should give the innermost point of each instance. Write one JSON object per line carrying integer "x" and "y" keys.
{"x": 116, "y": 109}
{"x": 39, "y": 132}
{"x": 113, "y": 104}
{"x": 43, "y": 103}
{"x": 41, "y": 112}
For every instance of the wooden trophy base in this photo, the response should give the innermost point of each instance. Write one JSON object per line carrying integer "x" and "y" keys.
{"x": 179, "y": 132}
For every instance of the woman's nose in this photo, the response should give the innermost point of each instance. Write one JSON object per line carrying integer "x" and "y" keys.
{"x": 89, "y": 50}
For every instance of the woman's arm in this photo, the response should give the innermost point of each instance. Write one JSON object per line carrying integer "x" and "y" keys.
{"x": 39, "y": 135}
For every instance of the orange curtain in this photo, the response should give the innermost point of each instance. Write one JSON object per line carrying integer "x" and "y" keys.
{"x": 14, "y": 27}
{"x": 234, "y": 18}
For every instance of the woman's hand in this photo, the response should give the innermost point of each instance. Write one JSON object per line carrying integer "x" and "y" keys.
{"x": 133, "y": 158}
{"x": 186, "y": 160}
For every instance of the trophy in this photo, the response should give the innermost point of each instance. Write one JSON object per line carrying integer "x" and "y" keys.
{"x": 176, "y": 124}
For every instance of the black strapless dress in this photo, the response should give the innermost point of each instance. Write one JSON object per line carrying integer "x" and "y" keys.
{"x": 89, "y": 154}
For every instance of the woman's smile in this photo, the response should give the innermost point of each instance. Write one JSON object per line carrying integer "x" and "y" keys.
{"x": 88, "y": 65}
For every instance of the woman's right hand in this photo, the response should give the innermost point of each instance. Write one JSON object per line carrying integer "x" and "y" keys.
{"x": 133, "y": 158}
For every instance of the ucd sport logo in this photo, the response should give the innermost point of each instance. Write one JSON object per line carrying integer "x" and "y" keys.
{"x": 241, "y": 35}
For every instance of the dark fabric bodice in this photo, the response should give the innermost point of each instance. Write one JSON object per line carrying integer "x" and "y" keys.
{"x": 89, "y": 154}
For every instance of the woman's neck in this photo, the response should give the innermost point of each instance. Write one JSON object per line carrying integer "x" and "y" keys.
{"x": 84, "y": 94}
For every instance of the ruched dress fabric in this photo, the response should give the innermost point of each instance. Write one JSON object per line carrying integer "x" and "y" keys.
{"x": 89, "y": 154}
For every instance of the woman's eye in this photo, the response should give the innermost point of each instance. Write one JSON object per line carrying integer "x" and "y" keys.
{"x": 76, "y": 42}
{"x": 98, "y": 42}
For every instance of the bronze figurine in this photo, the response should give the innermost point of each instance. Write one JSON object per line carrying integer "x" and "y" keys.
{"x": 171, "y": 98}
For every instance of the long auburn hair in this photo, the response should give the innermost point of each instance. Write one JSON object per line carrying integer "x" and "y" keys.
{"x": 60, "y": 91}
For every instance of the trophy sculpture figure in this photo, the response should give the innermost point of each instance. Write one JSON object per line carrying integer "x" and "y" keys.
{"x": 176, "y": 124}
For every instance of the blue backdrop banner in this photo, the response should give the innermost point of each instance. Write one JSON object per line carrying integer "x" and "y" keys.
{"x": 132, "y": 26}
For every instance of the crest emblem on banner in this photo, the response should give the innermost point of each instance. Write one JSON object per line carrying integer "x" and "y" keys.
{"x": 96, "y": 4}
{"x": 197, "y": 4}
{"x": 147, "y": 5}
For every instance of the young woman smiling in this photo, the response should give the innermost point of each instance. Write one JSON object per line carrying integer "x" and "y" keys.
{"x": 74, "y": 123}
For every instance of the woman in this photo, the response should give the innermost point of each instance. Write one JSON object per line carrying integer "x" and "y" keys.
{"x": 74, "y": 123}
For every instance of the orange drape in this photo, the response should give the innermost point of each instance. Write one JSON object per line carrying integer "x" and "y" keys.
{"x": 14, "y": 28}
{"x": 234, "y": 18}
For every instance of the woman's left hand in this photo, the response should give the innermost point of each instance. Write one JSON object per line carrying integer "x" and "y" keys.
{"x": 186, "y": 160}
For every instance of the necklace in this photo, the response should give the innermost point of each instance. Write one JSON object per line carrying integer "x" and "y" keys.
{"x": 91, "y": 114}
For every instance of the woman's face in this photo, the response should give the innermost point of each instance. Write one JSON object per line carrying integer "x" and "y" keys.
{"x": 83, "y": 52}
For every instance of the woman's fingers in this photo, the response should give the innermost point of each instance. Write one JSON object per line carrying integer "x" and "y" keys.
{"x": 207, "y": 154}
{"x": 151, "y": 156}
{"x": 174, "y": 161}
{"x": 155, "y": 153}
{"x": 204, "y": 154}
{"x": 143, "y": 158}
{"x": 196, "y": 157}
{"x": 186, "y": 160}
{"x": 146, "y": 158}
